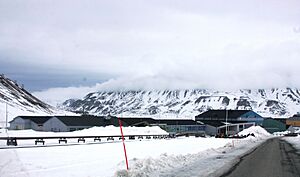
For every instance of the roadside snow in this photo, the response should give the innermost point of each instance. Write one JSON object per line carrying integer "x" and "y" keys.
{"x": 100, "y": 131}
{"x": 295, "y": 141}
{"x": 258, "y": 132}
{"x": 186, "y": 156}
{"x": 210, "y": 162}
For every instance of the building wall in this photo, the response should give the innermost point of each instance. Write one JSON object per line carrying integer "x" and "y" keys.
{"x": 252, "y": 116}
{"x": 211, "y": 130}
{"x": 55, "y": 125}
{"x": 295, "y": 123}
{"x": 74, "y": 128}
{"x": 272, "y": 125}
{"x": 20, "y": 124}
{"x": 233, "y": 129}
{"x": 36, "y": 127}
{"x": 183, "y": 128}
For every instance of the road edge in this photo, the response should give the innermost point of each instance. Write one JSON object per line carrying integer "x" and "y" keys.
{"x": 241, "y": 157}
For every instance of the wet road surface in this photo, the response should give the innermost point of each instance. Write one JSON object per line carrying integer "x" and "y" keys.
{"x": 274, "y": 158}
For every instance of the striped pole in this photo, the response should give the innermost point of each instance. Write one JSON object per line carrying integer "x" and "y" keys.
{"x": 123, "y": 139}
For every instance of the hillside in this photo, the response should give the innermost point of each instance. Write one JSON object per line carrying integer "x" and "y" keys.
{"x": 20, "y": 102}
{"x": 187, "y": 103}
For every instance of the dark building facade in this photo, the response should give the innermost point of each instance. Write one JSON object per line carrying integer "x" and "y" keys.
{"x": 229, "y": 122}
{"x": 275, "y": 125}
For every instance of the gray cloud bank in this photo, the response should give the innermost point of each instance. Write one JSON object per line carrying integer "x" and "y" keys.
{"x": 158, "y": 44}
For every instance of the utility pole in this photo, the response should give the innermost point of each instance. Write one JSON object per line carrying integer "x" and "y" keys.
{"x": 226, "y": 116}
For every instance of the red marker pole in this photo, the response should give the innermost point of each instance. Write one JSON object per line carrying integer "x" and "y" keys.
{"x": 120, "y": 123}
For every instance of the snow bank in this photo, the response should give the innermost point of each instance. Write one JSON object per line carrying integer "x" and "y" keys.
{"x": 112, "y": 130}
{"x": 258, "y": 131}
{"x": 208, "y": 161}
{"x": 184, "y": 156}
{"x": 99, "y": 131}
{"x": 295, "y": 141}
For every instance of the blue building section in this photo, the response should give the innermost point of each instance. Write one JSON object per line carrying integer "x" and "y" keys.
{"x": 252, "y": 116}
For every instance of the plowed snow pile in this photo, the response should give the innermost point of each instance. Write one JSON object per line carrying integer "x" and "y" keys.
{"x": 258, "y": 132}
{"x": 94, "y": 131}
{"x": 209, "y": 161}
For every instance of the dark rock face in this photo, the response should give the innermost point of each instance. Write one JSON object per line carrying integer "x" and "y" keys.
{"x": 225, "y": 101}
{"x": 244, "y": 103}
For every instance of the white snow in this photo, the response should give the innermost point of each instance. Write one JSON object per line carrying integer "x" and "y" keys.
{"x": 100, "y": 131}
{"x": 258, "y": 131}
{"x": 295, "y": 141}
{"x": 186, "y": 156}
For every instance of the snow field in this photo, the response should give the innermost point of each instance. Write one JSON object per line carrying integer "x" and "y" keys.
{"x": 186, "y": 156}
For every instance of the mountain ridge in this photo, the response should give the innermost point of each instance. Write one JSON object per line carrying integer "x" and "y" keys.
{"x": 273, "y": 102}
{"x": 16, "y": 101}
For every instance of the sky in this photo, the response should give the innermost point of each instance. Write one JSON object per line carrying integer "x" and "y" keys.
{"x": 57, "y": 46}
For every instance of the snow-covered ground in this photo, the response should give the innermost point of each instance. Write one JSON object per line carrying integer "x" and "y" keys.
{"x": 186, "y": 156}
{"x": 295, "y": 141}
{"x": 99, "y": 131}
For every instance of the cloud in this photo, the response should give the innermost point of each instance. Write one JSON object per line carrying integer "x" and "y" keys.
{"x": 157, "y": 44}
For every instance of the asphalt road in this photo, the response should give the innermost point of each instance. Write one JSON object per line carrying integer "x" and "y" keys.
{"x": 274, "y": 158}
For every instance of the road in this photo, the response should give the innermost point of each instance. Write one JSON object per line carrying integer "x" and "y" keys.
{"x": 274, "y": 158}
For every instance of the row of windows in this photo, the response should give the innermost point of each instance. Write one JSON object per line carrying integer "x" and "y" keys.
{"x": 176, "y": 128}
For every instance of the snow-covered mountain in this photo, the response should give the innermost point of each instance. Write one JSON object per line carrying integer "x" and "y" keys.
{"x": 187, "y": 103}
{"x": 20, "y": 102}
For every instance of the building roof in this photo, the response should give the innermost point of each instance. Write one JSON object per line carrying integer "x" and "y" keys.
{"x": 82, "y": 120}
{"x": 217, "y": 123}
{"x": 213, "y": 123}
{"x": 177, "y": 122}
{"x": 137, "y": 121}
{"x": 294, "y": 118}
{"x": 36, "y": 119}
{"x": 221, "y": 114}
{"x": 151, "y": 121}
{"x": 283, "y": 120}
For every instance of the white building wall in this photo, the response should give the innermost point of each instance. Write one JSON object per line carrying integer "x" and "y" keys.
{"x": 37, "y": 127}
{"x": 20, "y": 124}
{"x": 55, "y": 125}
{"x": 211, "y": 130}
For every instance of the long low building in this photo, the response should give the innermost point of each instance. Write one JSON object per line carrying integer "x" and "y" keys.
{"x": 172, "y": 126}
{"x": 212, "y": 122}
{"x": 72, "y": 123}
{"x": 57, "y": 123}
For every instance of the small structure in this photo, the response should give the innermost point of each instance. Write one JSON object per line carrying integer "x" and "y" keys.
{"x": 228, "y": 122}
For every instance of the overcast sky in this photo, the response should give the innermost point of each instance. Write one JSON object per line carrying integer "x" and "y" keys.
{"x": 151, "y": 44}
